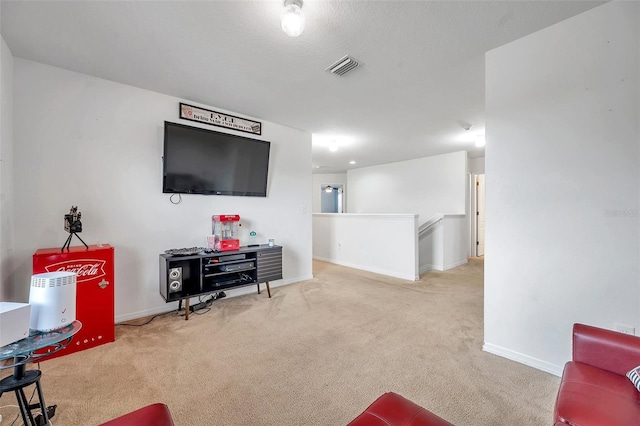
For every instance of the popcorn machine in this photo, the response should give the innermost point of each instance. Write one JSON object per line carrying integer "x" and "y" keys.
{"x": 226, "y": 232}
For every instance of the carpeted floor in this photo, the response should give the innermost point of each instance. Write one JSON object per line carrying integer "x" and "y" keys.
{"x": 317, "y": 353}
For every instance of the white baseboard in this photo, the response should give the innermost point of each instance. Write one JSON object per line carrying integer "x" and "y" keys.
{"x": 369, "y": 269}
{"x": 455, "y": 264}
{"x": 429, "y": 267}
{"x": 523, "y": 359}
{"x": 426, "y": 268}
{"x": 172, "y": 306}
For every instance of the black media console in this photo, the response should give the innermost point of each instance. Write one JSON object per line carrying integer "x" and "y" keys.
{"x": 182, "y": 277}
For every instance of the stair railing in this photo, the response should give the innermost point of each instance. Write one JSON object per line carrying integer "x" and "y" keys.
{"x": 429, "y": 223}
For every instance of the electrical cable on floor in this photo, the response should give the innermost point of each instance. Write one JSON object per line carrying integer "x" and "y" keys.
{"x": 7, "y": 406}
{"x": 212, "y": 298}
{"x": 35, "y": 414}
{"x": 148, "y": 321}
{"x": 207, "y": 305}
{"x": 29, "y": 403}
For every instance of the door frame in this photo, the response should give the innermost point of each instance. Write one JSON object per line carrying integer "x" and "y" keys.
{"x": 473, "y": 216}
{"x": 481, "y": 183}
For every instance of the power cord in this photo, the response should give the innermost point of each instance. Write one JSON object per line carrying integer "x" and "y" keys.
{"x": 149, "y": 320}
{"x": 8, "y": 406}
{"x": 202, "y": 305}
{"x": 39, "y": 419}
{"x": 201, "y": 311}
{"x": 205, "y": 304}
{"x": 29, "y": 403}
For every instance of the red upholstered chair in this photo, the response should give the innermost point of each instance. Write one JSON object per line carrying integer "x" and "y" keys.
{"x": 392, "y": 409}
{"x": 594, "y": 389}
{"x": 151, "y": 415}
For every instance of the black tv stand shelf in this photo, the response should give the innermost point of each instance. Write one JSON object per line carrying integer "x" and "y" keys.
{"x": 183, "y": 277}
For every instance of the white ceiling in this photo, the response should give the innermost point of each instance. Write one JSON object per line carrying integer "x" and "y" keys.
{"x": 421, "y": 79}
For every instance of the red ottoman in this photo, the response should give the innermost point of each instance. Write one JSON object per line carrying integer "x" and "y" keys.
{"x": 151, "y": 415}
{"x": 392, "y": 409}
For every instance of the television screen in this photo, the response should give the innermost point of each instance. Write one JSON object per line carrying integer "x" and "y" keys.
{"x": 201, "y": 161}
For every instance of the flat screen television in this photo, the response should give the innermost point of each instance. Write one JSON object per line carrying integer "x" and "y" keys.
{"x": 201, "y": 161}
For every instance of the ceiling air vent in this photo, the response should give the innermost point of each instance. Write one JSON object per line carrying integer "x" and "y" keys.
{"x": 343, "y": 65}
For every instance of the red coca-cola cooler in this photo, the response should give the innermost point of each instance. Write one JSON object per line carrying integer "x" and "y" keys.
{"x": 94, "y": 267}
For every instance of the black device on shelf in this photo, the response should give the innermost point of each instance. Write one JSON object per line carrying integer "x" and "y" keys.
{"x": 202, "y": 161}
{"x": 182, "y": 277}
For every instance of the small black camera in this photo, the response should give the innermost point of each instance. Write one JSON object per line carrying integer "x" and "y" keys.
{"x": 72, "y": 222}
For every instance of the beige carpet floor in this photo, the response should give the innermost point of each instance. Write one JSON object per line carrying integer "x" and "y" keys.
{"x": 317, "y": 353}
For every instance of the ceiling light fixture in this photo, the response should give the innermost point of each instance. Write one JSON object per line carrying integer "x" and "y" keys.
{"x": 328, "y": 189}
{"x": 292, "y": 20}
{"x": 352, "y": 162}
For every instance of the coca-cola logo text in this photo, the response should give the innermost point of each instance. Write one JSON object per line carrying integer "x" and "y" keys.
{"x": 85, "y": 269}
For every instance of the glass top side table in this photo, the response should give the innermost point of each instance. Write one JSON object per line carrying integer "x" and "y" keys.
{"x": 25, "y": 351}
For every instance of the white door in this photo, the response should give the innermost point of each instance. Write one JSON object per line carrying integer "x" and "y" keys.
{"x": 480, "y": 215}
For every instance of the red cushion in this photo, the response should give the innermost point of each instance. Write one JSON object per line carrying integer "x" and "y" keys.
{"x": 392, "y": 409}
{"x": 592, "y": 396}
{"x": 151, "y": 415}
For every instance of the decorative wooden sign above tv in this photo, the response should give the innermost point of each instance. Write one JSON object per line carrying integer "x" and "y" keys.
{"x": 201, "y": 115}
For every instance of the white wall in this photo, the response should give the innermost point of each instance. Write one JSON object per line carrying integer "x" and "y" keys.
{"x": 347, "y": 239}
{"x": 320, "y": 180}
{"x": 476, "y": 165}
{"x": 6, "y": 171}
{"x": 443, "y": 245}
{"x": 563, "y": 185}
{"x": 455, "y": 241}
{"x": 424, "y": 186}
{"x": 97, "y": 144}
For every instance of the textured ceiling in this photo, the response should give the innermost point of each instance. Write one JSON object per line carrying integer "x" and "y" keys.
{"x": 421, "y": 79}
